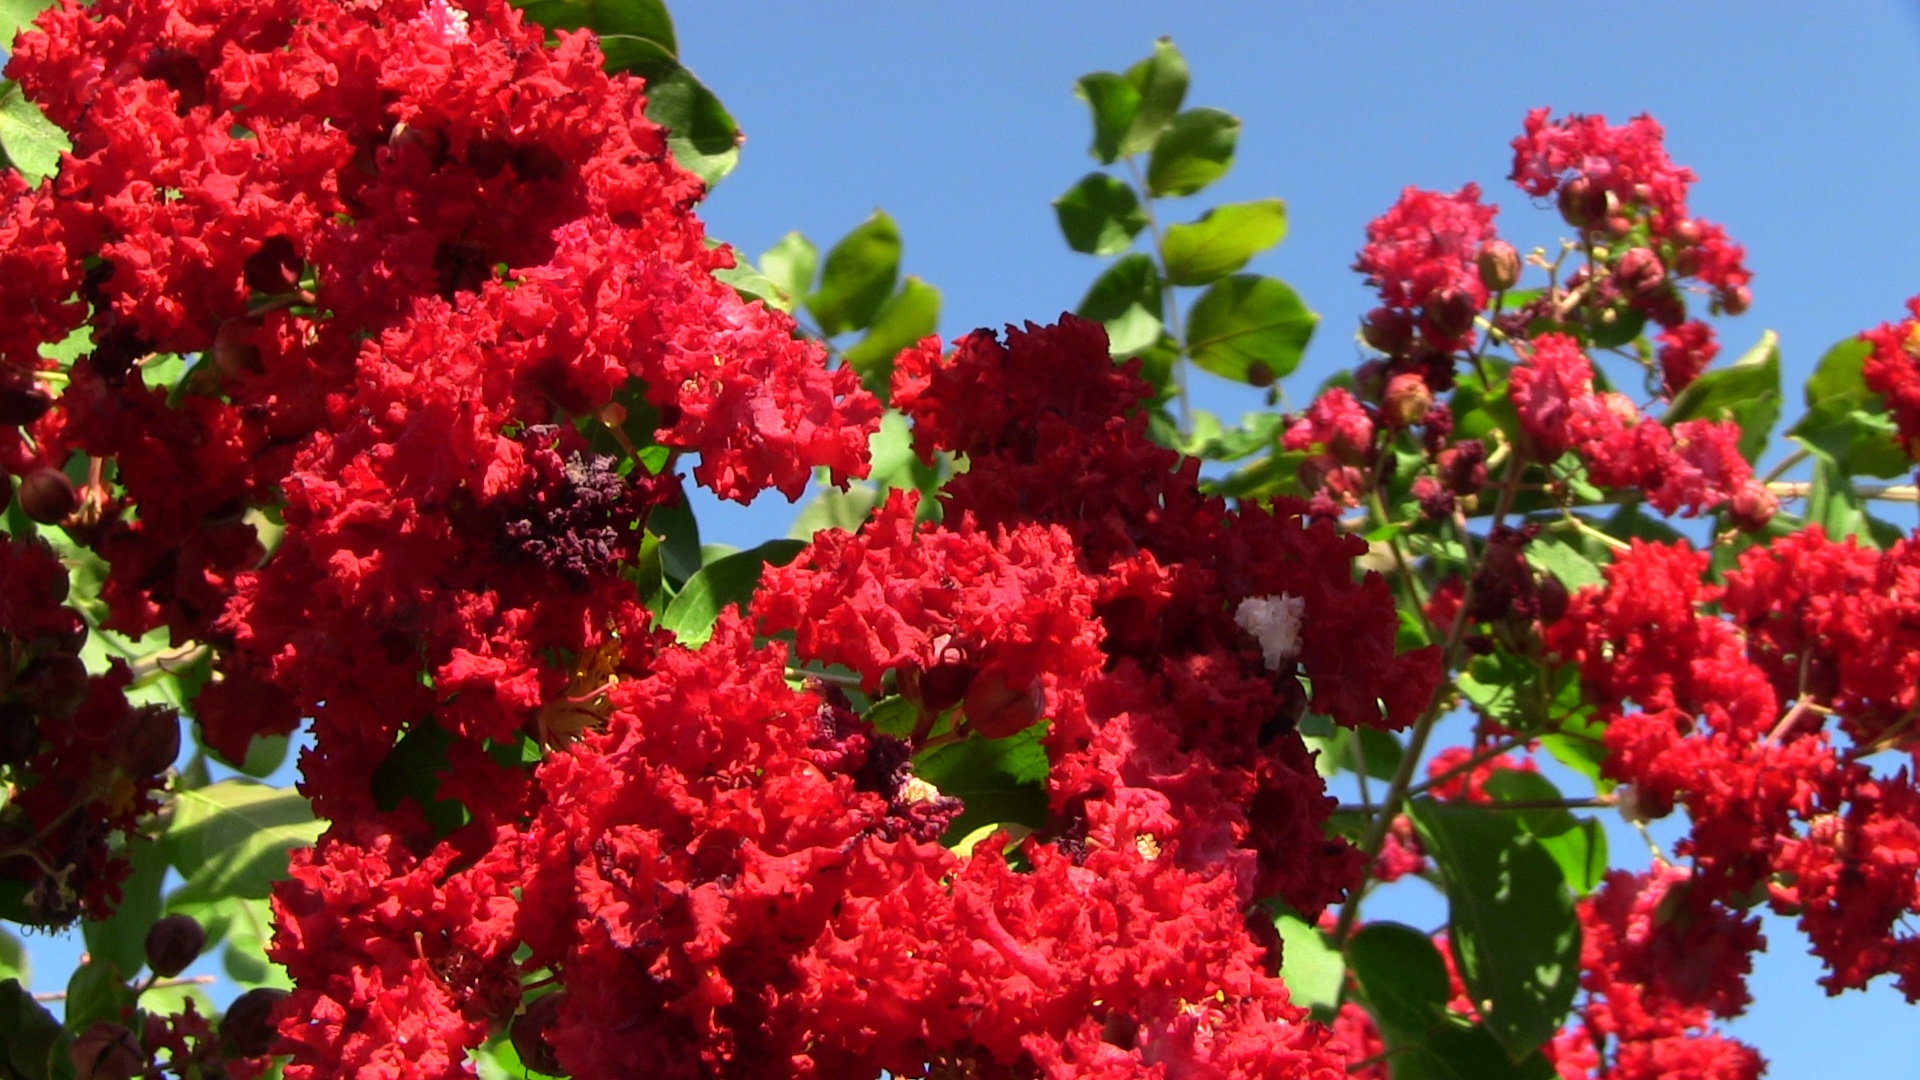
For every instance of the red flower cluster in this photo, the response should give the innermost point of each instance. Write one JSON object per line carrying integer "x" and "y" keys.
{"x": 1725, "y": 714}
{"x": 83, "y": 764}
{"x": 1693, "y": 467}
{"x": 1892, "y": 370}
{"x": 1422, "y": 256}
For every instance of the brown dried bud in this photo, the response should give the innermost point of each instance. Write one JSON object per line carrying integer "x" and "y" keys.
{"x": 248, "y": 1028}
{"x": 47, "y": 496}
{"x": 107, "y": 1051}
{"x": 1499, "y": 265}
{"x": 529, "y": 1034}
{"x": 173, "y": 943}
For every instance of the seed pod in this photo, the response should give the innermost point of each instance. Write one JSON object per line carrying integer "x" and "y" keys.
{"x": 47, "y": 496}
{"x": 173, "y": 943}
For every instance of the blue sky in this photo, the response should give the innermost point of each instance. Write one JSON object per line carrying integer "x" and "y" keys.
{"x": 1802, "y": 121}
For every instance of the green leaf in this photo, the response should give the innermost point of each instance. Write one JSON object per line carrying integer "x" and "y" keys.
{"x": 15, "y": 961}
{"x": 1511, "y": 921}
{"x": 1313, "y": 970}
{"x": 1857, "y": 435}
{"x": 249, "y": 928}
{"x": 1194, "y": 151}
{"x": 835, "y": 509}
{"x": 909, "y": 315}
{"x": 1578, "y": 742}
{"x": 730, "y": 580}
{"x": 1115, "y": 102}
{"x": 1250, "y": 329}
{"x": 679, "y": 534}
{"x": 1100, "y": 215}
{"x": 1127, "y": 300}
{"x": 15, "y": 16}
{"x": 1469, "y": 1053}
{"x": 1161, "y": 83}
{"x": 1403, "y": 979}
{"x": 1835, "y": 506}
{"x": 999, "y": 780}
{"x": 97, "y": 990}
{"x": 751, "y": 284}
{"x": 30, "y": 141}
{"x": 637, "y": 18}
{"x": 1617, "y": 326}
{"x": 1840, "y": 373}
{"x": 412, "y": 770}
{"x": 1747, "y": 392}
{"x": 1380, "y": 750}
{"x": 122, "y": 937}
{"x": 859, "y": 276}
{"x": 702, "y": 135}
{"x": 791, "y": 264}
{"x": 1579, "y": 845}
{"x": 232, "y": 838}
{"x": 33, "y": 1045}
{"x": 1565, "y": 562}
{"x": 1222, "y": 240}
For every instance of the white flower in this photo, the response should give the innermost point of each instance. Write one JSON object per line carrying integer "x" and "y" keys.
{"x": 1274, "y": 621}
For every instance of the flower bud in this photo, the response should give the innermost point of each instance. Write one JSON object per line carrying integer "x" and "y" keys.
{"x": 149, "y": 741}
{"x": 1736, "y": 301}
{"x": 22, "y": 398}
{"x": 1259, "y": 374}
{"x": 1499, "y": 265}
{"x": 529, "y": 1034}
{"x": 1583, "y": 203}
{"x": 234, "y": 351}
{"x": 997, "y": 709}
{"x": 1389, "y": 331}
{"x": 1639, "y": 271}
{"x": 248, "y": 1028}
{"x": 107, "y": 1051}
{"x": 1752, "y": 506}
{"x": 1449, "y": 313}
{"x": 1407, "y": 400}
{"x": 53, "y": 685}
{"x": 1550, "y": 593}
{"x": 274, "y": 268}
{"x": 19, "y": 733}
{"x": 173, "y": 943}
{"x": 47, "y": 496}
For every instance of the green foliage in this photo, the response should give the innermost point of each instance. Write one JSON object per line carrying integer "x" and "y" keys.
{"x": 1250, "y": 328}
{"x": 1746, "y": 392}
{"x": 1313, "y": 970}
{"x": 1127, "y": 300}
{"x": 33, "y": 1046}
{"x": 232, "y": 838}
{"x": 1130, "y": 111}
{"x": 1194, "y": 151}
{"x": 791, "y": 265}
{"x": 859, "y": 276}
{"x": 1511, "y": 924}
{"x": 722, "y": 582}
{"x": 906, "y": 317}
{"x": 30, "y": 143}
{"x": 1002, "y": 781}
{"x": 1222, "y": 240}
{"x": 1100, "y": 215}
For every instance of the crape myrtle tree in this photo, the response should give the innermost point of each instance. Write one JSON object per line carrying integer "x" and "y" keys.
{"x": 353, "y": 358}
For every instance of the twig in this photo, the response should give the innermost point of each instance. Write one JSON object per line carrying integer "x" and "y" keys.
{"x": 184, "y": 980}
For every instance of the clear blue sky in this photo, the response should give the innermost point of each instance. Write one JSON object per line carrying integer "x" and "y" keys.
{"x": 1802, "y": 120}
